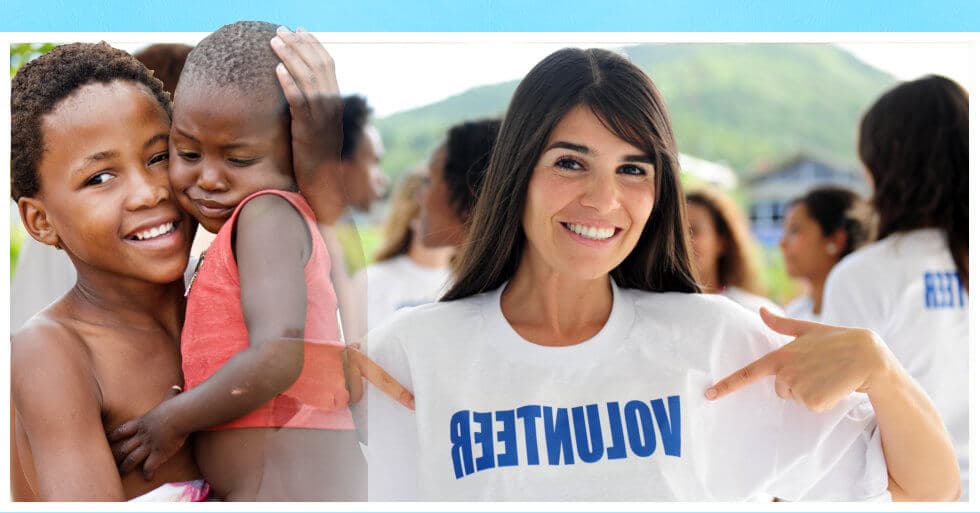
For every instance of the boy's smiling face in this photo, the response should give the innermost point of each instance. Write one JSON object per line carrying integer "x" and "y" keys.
{"x": 104, "y": 196}
{"x": 225, "y": 145}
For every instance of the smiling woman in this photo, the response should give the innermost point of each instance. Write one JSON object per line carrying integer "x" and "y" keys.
{"x": 574, "y": 360}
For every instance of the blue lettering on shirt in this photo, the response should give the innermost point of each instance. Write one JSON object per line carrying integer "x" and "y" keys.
{"x": 508, "y": 437}
{"x": 557, "y": 435}
{"x": 617, "y": 450}
{"x": 564, "y": 432}
{"x": 484, "y": 437}
{"x": 943, "y": 290}
{"x": 588, "y": 441}
{"x": 527, "y": 414}
{"x": 459, "y": 437}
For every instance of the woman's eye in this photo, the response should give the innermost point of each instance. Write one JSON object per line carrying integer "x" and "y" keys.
{"x": 189, "y": 156}
{"x": 159, "y": 157}
{"x": 567, "y": 163}
{"x": 630, "y": 169}
{"x": 98, "y": 179}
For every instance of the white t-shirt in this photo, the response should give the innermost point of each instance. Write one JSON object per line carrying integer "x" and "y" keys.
{"x": 802, "y": 308}
{"x": 906, "y": 288}
{"x": 750, "y": 301}
{"x": 398, "y": 283}
{"x": 621, "y": 416}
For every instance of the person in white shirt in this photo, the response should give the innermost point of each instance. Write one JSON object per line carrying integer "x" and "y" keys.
{"x": 573, "y": 359}
{"x": 724, "y": 254}
{"x": 911, "y": 286}
{"x": 406, "y": 273}
{"x": 819, "y": 229}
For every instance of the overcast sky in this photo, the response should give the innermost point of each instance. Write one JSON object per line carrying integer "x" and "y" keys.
{"x": 399, "y": 76}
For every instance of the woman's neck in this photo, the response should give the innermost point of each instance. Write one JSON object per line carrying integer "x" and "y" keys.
{"x": 816, "y": 293}
{"x": 433, "y": 258}
{"x": 552, "y": 309}
{"x": 709, "y": 281}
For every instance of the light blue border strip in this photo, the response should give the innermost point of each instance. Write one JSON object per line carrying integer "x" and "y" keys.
{"x": 498, "y": 15}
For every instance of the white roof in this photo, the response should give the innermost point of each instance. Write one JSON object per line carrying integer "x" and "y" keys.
{"x": 712, "y": 172}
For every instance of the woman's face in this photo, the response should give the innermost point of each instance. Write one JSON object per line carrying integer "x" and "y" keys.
{"x": 707, "y": 244}
{"x": 440, "y": 225}
{"x": 105, "y": 193}
{"x": 807, "y": 253}
{"x": 589, "y": 197}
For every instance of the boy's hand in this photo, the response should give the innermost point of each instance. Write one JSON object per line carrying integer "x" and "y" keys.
{"x": 357, "y": 365}
{"x": 149, "y": 439}
{"x": 309, "y": 82}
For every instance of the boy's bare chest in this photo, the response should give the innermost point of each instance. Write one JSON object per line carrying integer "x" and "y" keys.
{"x": 135, "y": 372}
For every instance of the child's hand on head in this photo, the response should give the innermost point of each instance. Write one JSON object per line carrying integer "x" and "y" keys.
{"x": 150, "y": 440}
{"x": 309, "y": 82}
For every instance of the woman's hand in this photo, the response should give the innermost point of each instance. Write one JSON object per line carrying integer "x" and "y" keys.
{"x": 309, "y": 81}
{"x": 822, "y": 366}
{"x": 150, "y": 440}
{"x": 357, "y": 365}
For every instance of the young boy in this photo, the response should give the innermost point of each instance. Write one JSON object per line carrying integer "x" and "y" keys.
{"x": 89, "y": 157}
{"x": 265, "y": 396}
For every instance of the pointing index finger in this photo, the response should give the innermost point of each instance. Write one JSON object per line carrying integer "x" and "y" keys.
{"x": 765, "y": 366}
{"x": 786, "y": 325}
{"x": 382, "y": 380}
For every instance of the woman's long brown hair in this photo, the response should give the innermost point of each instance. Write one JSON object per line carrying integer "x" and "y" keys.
{"x": 915, "y": 143}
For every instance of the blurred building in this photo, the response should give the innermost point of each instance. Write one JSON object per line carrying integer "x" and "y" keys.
{"x": 714, "y": 173}
{"x": 770, "y": 192}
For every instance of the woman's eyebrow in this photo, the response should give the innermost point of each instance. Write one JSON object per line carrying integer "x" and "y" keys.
{"x": 644, "y": 159}
{"x": 570, "y": 146}
{"x": 585, "y": 150}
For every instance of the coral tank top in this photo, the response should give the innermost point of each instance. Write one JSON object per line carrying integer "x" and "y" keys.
{"x": 214, "y": 330}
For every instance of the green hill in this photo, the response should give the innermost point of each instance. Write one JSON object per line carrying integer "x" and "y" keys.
{"x": 750, "y": 105}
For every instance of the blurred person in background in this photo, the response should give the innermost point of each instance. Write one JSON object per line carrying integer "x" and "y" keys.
{"x": 405, "y": 273}
{"x": 912, "y": 284}
{"x": 456, "y": 170}
{"x": 166, "y": 61}
{"x": 820, "y": 228}
{"x": 364, "y": 184}
{"x": 724, "y": 257}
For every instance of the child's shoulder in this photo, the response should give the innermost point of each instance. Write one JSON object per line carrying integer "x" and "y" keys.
{"x": 271, "y": 218}
{"x": 281, "y": 204}
{"x": 50, "y": 330}
{"x": 51, "y": 350}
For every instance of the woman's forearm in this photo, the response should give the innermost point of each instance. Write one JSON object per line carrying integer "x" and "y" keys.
{"x": 922, "y": 464}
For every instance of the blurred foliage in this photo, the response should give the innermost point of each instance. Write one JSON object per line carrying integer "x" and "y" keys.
{"x": 747, "y": 105}
{"x": 20, "y": 53}
{"x": 369, "y": 237}
{"x": 16, "y": 241}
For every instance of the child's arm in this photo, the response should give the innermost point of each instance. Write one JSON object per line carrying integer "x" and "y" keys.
{"x": 273, "y": 246}
{"x": 58, "y": 404}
